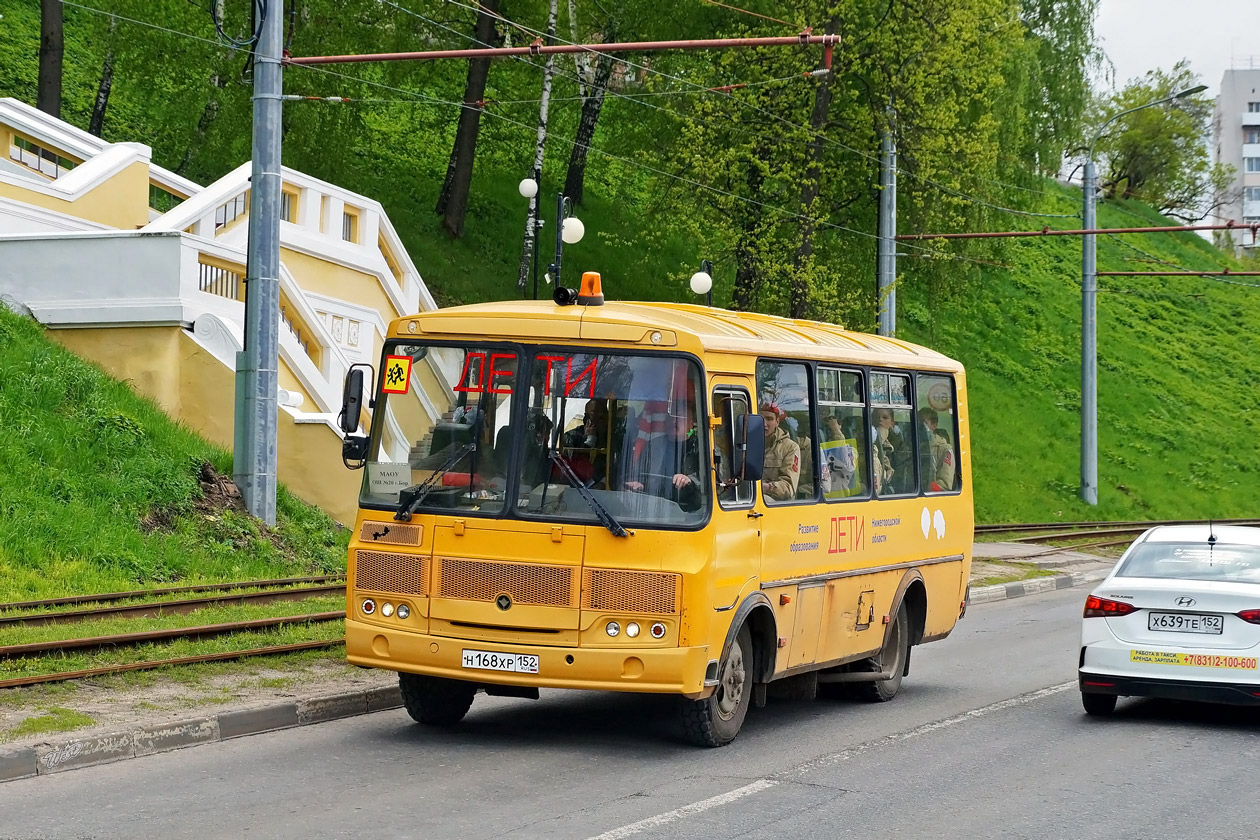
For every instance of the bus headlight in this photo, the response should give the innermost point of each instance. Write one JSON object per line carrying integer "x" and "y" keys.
{"x": 613, "y": 628}
{"x": 632, "y": 629}
{"x": 387, "y": 609}
{"x": 403, "y": 611}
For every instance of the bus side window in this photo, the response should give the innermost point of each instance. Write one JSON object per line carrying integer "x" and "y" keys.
{"x": 937, "y": 434}
{"x": 843, "y": 452}
{"x": 892, "y": 435}
{"x": 784, "y": 401}
{"x": 727, "y": 405}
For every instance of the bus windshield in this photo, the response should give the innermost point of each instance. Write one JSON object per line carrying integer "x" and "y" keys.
{"x": 553, "y": 434}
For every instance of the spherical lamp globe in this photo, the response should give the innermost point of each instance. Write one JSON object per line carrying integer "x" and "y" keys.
{"x": 528, "y": 188}
{"x": 701, "y": 283}
{"x": 573, "y": 231}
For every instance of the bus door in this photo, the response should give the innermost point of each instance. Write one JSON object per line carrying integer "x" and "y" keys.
{"x": 737, "y": 537}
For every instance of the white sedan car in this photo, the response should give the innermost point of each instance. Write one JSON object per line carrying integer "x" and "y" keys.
{"x": 1178, "y": 617}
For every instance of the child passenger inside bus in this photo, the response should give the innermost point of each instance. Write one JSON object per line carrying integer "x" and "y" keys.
{"x": 782, "y": 470}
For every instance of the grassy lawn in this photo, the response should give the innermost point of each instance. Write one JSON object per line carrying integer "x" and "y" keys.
{"x": 101, "y": 492}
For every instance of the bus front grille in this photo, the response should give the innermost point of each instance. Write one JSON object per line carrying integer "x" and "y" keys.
{"x": 524, "y": 583}
{"x": 390, "y": 532}
{"x": 382, "y": 571}
{"x": 610, "y": 590}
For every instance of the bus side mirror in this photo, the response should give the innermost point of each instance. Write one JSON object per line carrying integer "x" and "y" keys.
{"x": 748, "y": 454}
{"x": 354, "y": 451}
{"x": 352, "y": 400}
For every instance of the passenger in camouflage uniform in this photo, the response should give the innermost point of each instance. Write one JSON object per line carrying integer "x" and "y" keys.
{"x": 937, "y": 467}
{"x": 782, "y": 471}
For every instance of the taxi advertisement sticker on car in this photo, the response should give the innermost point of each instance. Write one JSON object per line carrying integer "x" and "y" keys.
{"x": 1202, "y": 660}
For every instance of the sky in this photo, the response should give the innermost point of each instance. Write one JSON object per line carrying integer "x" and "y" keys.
{"x": 1141, "y": 35}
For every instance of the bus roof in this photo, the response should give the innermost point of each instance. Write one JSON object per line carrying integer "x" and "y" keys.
{"x": 714, "y": 330}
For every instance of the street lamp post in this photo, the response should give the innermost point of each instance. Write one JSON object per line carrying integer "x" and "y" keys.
{"x": 569, "y": 231}
{"x": 1089, "y": 310}
{"x": 702, "y": 281}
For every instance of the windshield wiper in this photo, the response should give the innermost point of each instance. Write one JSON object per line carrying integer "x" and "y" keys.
{"x": 410, "y": 499}
{"x": 601, "y": 513}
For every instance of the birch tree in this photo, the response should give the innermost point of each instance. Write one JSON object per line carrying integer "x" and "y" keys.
{"x": 527, "y": 249}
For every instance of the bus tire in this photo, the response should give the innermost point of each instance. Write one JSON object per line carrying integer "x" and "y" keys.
{"x": 898, "y": 648}
{"x": 435, "y": 701}
{"x": 716, "y": 720}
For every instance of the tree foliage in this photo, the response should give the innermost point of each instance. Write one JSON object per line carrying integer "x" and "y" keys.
{"x": 1160, "y": 154}
{"x": 746, "y": 156}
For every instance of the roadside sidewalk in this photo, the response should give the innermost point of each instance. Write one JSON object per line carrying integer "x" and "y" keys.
{"x": 133, "y": 729}
{"x": 1071, "y": 568}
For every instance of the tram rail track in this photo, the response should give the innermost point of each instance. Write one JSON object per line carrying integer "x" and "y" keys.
{"x": 153, "y": 609}
{"x": 1073, "y": 529}
{"x": 274, "y": 650}
{"x": 204, "y": 631}
{"x": 106, "y": 597}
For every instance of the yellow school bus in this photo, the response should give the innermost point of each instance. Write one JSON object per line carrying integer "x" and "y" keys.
{"x": 652, "y": 497}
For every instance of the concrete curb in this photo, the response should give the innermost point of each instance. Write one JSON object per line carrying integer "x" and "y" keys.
{"x": 1017, "y": 589}
{"x": 72, "y": 753}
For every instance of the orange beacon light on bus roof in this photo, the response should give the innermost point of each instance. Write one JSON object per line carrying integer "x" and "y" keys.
{"x": 591, "y": 293}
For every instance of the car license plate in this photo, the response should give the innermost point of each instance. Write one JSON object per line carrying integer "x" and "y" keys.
{"x": 1186, "y": 623}
{"x": 488, "y": 660}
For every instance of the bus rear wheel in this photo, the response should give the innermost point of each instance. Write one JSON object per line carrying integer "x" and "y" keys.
{"x": 435, "y": 701}
{"x": 891, "y": 659}
{"x": 716, "y": 720}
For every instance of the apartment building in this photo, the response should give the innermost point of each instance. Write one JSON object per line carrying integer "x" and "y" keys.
{"x": 1236, "y": 129}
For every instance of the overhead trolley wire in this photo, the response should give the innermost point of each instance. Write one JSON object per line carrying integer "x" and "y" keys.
{"x": 416, "y": 96}
{"x": 819, "y": 135}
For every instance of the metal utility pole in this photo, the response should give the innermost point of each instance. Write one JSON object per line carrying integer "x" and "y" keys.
{"x": 1089, "y": 342}
{"x": 1089, "y": 309}
{"x": 886, "y": 267}
{"x": 257, "y": 375}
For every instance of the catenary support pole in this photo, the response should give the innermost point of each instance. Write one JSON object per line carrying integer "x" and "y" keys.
{"x": 1089, "y": 343}
{"x": 887, "y": 259}
{"x": 257, "y": 375}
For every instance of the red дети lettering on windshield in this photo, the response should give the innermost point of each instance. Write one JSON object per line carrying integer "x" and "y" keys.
{"x": 496, "y": 373}
{"x": 570, "y": 384}
{"x": 547, "y": 378}
{"x": 464, "y": 385}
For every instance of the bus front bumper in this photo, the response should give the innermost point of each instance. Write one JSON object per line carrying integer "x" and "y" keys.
{"x": 677, "y": 670}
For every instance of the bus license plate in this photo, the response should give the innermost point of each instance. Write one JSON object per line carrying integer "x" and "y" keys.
{"x": 1186, "y": 623}
{"x": 488, "y": 660}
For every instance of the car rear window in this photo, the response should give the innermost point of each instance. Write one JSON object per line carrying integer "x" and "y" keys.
{"x": 1194, "y": 561}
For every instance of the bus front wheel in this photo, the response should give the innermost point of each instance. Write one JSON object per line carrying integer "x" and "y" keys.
{"x": 435, "y": 701}
{"x": 716, "y": 720}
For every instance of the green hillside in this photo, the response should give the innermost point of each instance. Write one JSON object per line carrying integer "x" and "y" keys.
{"x": 101, "y": 492}
{"x": 668, "y": 183}
{"x": 1177, "y": 367}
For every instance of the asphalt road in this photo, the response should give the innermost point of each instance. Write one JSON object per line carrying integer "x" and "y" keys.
{"x": 987, "y": 739}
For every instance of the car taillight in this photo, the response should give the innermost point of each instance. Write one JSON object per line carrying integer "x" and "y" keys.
{"x": 1251, "y": 616}
{"x": 1096, "y": 607}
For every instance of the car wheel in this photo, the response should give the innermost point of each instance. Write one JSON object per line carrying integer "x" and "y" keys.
{"x": 435, "y": 701}
{"x": 1098, "y": 704}
{"x": 716, "y": 720}
{"x": 891, "y": 658}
